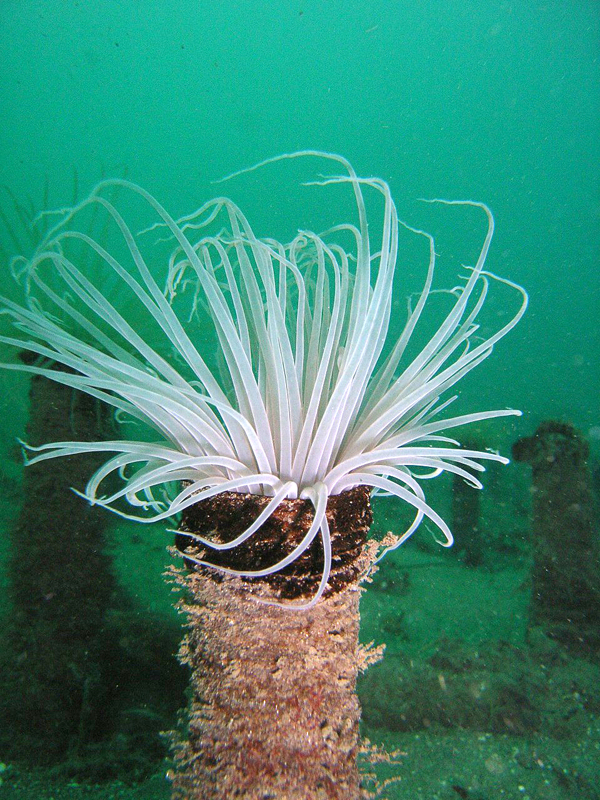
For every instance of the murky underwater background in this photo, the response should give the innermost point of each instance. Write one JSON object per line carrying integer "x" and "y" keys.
{"x": 491, "y": 101}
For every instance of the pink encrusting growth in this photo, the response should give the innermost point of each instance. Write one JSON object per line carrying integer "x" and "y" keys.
{"x": 312, "y": 397}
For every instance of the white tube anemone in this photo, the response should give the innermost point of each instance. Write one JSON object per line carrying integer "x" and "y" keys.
{"x": 312, "y": 397}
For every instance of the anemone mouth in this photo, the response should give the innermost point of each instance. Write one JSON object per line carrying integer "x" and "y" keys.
{"x": 301, "y": 394}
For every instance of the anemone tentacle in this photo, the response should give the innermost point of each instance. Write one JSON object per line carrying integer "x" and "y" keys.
{"x": 312, "y": 396}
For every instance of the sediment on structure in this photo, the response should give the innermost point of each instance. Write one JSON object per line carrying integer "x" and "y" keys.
{"x": 565, "y": 601}
{"x": 60, "y": 583}
{"x": 274, "y": 712}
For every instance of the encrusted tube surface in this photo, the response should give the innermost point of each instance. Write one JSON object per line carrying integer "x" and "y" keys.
{"x": 274, "y": 712}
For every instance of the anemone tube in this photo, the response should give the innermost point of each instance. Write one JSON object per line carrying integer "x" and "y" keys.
{"x": 310, "y": 406}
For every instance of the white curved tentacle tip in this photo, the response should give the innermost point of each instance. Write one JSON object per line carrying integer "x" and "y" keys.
{"x": 91, "y": 500}
{"x": 447, "y": 542}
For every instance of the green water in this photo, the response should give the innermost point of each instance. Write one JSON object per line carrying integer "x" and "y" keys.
{"x": 490, "y": 101}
